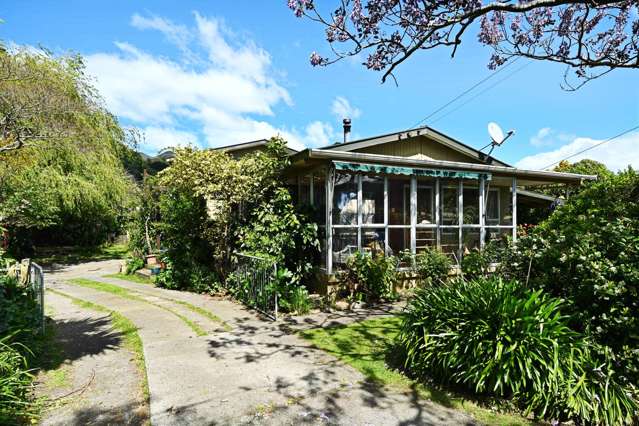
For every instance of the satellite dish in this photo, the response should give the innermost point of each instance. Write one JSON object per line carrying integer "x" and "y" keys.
{"x": 496, "y": 134}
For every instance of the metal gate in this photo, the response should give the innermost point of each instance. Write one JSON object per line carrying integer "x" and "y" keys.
{"x": 30, "y": 275}
{"x": 254, "y": 282}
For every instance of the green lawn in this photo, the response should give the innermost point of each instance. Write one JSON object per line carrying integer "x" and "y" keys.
{"x": 364, "y": 345}
{"x": 132, "y": 278}
{"x": 71, "y": 255}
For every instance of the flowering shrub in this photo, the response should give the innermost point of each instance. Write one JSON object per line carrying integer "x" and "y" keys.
{"x": 370, "y": 277}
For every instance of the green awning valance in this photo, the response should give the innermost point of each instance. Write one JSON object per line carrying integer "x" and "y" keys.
{"x": 409, "y": 171}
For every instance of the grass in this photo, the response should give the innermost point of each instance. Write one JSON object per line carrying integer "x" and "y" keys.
{"x": 72, "y": 255}
{"x": 364, "y": 345}
{"x": 132, "y": 278}
{"x": 126, "y": 294}
{"x": 128, "y": 332}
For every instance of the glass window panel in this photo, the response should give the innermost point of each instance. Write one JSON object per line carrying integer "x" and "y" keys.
{"x": 305, "y": 190}
{"x": 449, "y": 200}
{"x": 399, "y": 201}
{"x": 470, "y": 239}
{"x": 321, "y": 235}
{"x": 506, "y": 207}
{"x": 471, "y": 203}
{"x": 373, "y": 240}
{"x": 498, "y": 236}
{"x": 345, "y": 199}
{"x": 319, "y": 199}
{"x": 450, "y": 240}
{"x": 425, "y": 237}
{"x": 398, "y": 240}
{"x": 372, "y": 199}
{"x": 344, "y": 245}
{"x": 492, "y": 207}
{"x": 425, "y": 203}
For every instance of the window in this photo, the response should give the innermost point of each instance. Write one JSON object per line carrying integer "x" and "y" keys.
{"x": 374, "y": 240}
{"x": 425, "y": 203}
{"x": 399, "y": 201}
{"x": 345, "y": 199}
{"x": 372, "y": 199}
{"x": 319, "y": 198}
{"x": 344, "y": 245}
{"x": 305, "y": 190}
{"x": 492, "y": 207}
{"x": 398, "y": 240}
{"x": 471, "y": 203}
{"x": 449, "y": 199}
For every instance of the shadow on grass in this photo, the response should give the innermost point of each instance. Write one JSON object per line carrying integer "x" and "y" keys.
{"x": 55, "y": 258}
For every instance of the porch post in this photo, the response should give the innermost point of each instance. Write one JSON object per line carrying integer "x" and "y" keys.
{"x": 460, "y": 216}
{"x": 482, "y": 212}
{"x": 386, "y": 248}
{"x": 359, "y": 212}
{"x": 310, "y": 190}
{"x": 514, "y": 194}
{"x": 330, "y": 182}
{"x": 437, "y": 222}
{"x": 413, "y": 214}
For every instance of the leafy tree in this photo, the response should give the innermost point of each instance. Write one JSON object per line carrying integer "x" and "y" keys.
{"x": 228, "y": 188}
{"x": 61, "y": 162}
{"x": 590, "y": 37}
{"x": 585, "y": 167}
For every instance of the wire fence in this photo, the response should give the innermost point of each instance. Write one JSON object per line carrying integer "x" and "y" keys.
{"x": 253, "y": 281}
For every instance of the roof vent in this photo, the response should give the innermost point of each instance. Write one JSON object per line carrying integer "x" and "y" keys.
{"x": 347, "y": 128}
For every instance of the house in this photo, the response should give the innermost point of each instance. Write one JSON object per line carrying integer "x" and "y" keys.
{"x": 410, "y": 190}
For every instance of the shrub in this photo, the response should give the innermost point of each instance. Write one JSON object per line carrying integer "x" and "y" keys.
{"x": 276, "y": 231}
{"x": 15, "y": 381}
{"x": 587, "y": 252}
{"x": 432, "y": 265}
{"x": 370, "y": 276}
{"x": 194, "y": 278}
{"x": 133, "y": 265}
{"x": 297, "y": 301}
{"x": 497, "y": 338}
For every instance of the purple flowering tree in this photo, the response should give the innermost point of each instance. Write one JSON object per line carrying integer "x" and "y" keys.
{"x": 592, "y": 37}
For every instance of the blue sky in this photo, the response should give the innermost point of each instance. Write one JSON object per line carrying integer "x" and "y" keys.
{"x": 219, "y": 72}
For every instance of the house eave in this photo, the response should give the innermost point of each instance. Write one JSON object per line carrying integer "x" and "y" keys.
{"x": 539, "y": 176}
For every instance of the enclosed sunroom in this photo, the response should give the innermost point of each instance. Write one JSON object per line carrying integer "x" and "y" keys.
{"x": 411, "y": 190}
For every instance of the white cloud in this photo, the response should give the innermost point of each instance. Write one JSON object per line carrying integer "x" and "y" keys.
{"x": 342, "y": 108}
{"x": 179, "y": 35}
{"x": 226, "y": 97}
{"x": 158, "y": 138}
{"x": 616, "y": 154}
{"x": 319, "y": 134}
{"x": 548, "y": 137}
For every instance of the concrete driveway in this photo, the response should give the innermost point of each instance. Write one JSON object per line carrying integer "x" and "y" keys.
{"x": 259, "y": 372}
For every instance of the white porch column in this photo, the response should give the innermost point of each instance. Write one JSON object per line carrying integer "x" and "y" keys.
{"x": 413, "y": 214}
{"x": 514, "y": 194}
{"x": 460, "y": 216}
{"x": 482, "y": 211}
{"x": 329, "y": 186}
{"x": 437, "y": 215}
{"x": 359, "y": 212}
{"x": 386, "y": 246}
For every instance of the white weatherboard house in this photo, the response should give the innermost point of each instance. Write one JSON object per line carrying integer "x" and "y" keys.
{"x": 409, "y": 190}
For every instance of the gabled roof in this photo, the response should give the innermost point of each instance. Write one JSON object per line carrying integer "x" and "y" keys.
{"x": 249, "y": 145}
{"x": 429, "y": 132}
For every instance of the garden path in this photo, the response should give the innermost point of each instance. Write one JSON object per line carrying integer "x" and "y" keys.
{"x": 78, "y": 384}
{"x": 258, "y": 372}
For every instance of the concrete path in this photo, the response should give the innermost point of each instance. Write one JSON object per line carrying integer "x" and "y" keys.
{"x": 81, "y": 390}
{"x": 260, "y": 372}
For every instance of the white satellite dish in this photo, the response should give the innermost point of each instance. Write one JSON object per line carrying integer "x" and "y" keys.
{"x": 496, "y": 134}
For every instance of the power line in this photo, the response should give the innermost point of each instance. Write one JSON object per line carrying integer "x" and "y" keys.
{"x": 482, "y": 92}
{"x": 594, "y": 146}
{"x": 488, "y": 77}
